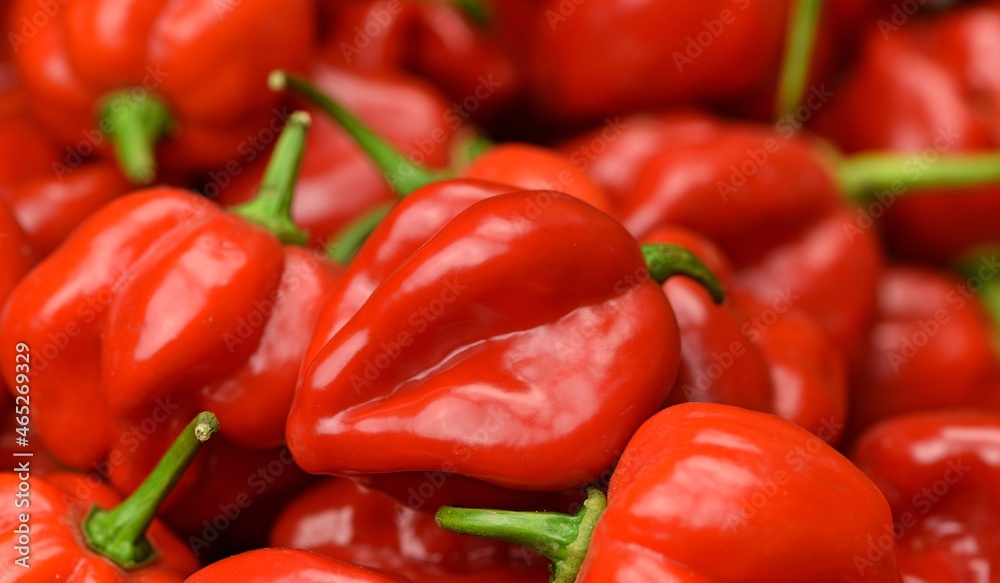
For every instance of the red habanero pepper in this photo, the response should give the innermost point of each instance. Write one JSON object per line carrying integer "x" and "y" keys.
{"x": 18, "y": 256}
{"x": 927, "y": 93}
{"x": 287, "y": 566}
{"x": 772, "y": 204}
{"x": 342, "y": 519}
{"x": 939, "y": 473}
{"x": 25, "y": 149}
{"x": 932, "y": 346}
{"x": 338, "y": 182}
{"x": 465, "y": 48}
{"x": 495, "y": 349}
{"x": 146, "y": 73}
{"x": 162, "y": 303}
{"x": 522, "y": 166}
{"x": 708, "y": 492}
{"x": 69, "y": 532}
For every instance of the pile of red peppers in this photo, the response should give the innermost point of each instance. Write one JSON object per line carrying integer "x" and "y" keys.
{"x": 483, "y": 291}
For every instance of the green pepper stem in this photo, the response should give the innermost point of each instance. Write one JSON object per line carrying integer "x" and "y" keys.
{"x": 136, "y": 120}
{"x": 562, "y": 538}
{"x": 665, "y": 260}
{"x": 475, "y": 10}
{"x": 800, "y": 36}
{"x": 467, "y": 148}
{"x": 403, "y": 175}
{"x": 863, "y": 175}
{"x": 348, "y": 240}
{"x": 989, "y": 285}
{"x": 272, "y": 207}
{"x": 120, "y": 533}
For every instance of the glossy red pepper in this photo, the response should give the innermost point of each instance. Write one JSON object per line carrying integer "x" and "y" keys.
{"x": 147, "y": 71}
{"x": 743, "y": 353}
{"x": 162, "y": 304}
{"x": 454, "y": 356}
{"x": 338, "y": 182}
{"x": 932, "y": 346}
{"x": 287, "y": 566}
{"x": 66, "y": 530}
{"x": 925, "y": 89}
{"x": 708, "y": 492}
{"x": 342, "y": 519}
{"x": 773, "y": 205}
{"x": 18, "y": 256}
{"x": 939, "y": 473}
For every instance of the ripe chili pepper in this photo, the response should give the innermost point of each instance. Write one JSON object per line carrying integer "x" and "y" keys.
{"x": 471, "y": 55}
{"x": 524, "y": 166}
{"x": 287, "y": 566}
{"x": 18, "y": 256}
{"x": 735, "y": 355}
{"x": 688, "y": 53}
{"x": 932, "y": 331}
{"x": 338, "y": 182}
{"x": 938, "y": 471}
{"x": 700, "y": 477}
{"x": 454, "y": 356}
{"x": 926, "y": 93}
{"x": 146, "y": 72}
{"x": 66, "y": 530}
{"x": 25, "y": 149}
{"x": 342, "y": 519}
{"x": 120, "y": 358}
{"x": 772, "y": 204}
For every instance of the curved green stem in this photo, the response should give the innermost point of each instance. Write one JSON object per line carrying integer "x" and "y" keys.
{"x": 468, "y": 148}
{"x": 348, "y": 241}
{"x": 803, "y": 22}
{"x": 403, "y": 175}
{"x": 272, "y": 207}
{"x": 135, "y": 121}
{"x": 665, "y": 260}
{"x": 120, "y": 533}
{"x": 563, "y": 538}
{"x": 862, "y": 175}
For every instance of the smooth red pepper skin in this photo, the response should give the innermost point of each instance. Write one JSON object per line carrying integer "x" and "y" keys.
{"x": 928, "y": 89}
{"x": 18, "y": 256}
{"x": 938, "y": 471}
{"x": 342, "y": 519}
{"x": 167, "y": 49}
{"x": 287, "y": 566}
{"x": 932, "y": 346}
{"x": 25, "y": 149}
{"x": 337, "y": 181}
{"x": 479, "y": 346}
{"x": 410, "y": 224}
{"x": 59, "y": 503}
{"x": 743, "y": 353}
{"x": 701, "y": 477}
{"x": 772, "y": 205}
{"x": 50, "y": 207}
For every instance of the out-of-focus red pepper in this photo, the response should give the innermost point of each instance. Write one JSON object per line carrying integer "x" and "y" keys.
{"x": 938, "y": 470}
{"x": 523, "y": 166}
{"x": 287, "y": 566}
{"x": 932, "y": 346}
{"x": 338, "y": 182}
{"x": 454, "y": 355}
{"x": 18, "y": 256}
{"x": 927, "y": 90}
{"x": 66, "y": 529}
{"x": 188, "y": 77}
{"x": 162, "y": 304}
{"x": 737, "y": 354}
{"x": 25, "y": 150}
{"x": 341, "y": 519}
{"x": 687, "y": 53}
{"x": 473, "y": 57}
{"x": 772, "y": 204}
{"x": 700, "y": 477}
